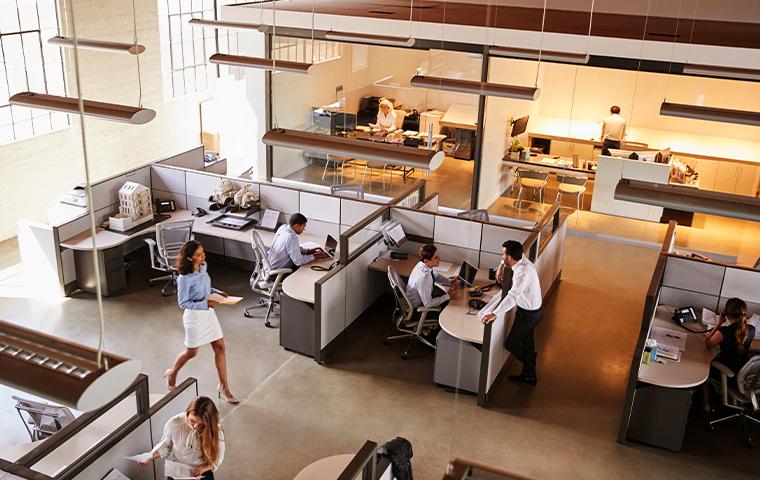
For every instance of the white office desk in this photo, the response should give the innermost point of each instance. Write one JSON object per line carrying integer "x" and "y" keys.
{"x": 326, "y": 468}
{"x": 455, "y": 320}
{"x": 300, "y": 284}
{"x": 694, "y": 366}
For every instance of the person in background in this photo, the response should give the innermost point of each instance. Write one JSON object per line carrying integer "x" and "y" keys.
{"x": 525, "y": 294}
{"x": 386, "y": 116}
{"x": 193, "y": 438}
{"x": 199, "y": 318}
{"x": 421, "y": 287}
{"x": 613, "y": 129}
{"x": 286, "y": 252}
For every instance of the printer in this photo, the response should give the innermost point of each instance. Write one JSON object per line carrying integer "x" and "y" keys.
{"x": 76, "y": 197}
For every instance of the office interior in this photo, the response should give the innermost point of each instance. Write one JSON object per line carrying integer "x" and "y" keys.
{"x": 295, "y": 410}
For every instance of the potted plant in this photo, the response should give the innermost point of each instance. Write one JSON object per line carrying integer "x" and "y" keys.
{"x": 515, "y": 148}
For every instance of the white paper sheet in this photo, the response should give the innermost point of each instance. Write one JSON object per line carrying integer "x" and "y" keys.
{"x": 671, "y": 338}
{"x": 178, "y": 471}
{"x": 708, "y": 317}
{"x": 224, "y": 300}
{"x": 269, "y": 219}
{"x": 140, "y": 457}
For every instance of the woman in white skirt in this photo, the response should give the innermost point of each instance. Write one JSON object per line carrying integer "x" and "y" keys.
{"x": 201, "y": 325}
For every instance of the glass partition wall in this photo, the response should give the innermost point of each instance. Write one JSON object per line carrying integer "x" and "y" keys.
{"x": 342, "y": 96}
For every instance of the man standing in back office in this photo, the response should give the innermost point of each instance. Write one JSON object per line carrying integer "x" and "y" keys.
{"x": 613, "y": 129}
{"x": 286, "y": 251}
{"x": 525, "y": 294}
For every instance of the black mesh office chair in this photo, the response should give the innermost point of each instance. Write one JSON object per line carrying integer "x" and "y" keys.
{"x": 743, "y": 397}
{"x": 44, "y": 419}
{"x": 405, "y": 319}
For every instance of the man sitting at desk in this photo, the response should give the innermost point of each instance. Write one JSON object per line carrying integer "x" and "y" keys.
{"x": 286, "y": 252}
{"x": 421, "y": 287}
{"x": 525, "y": 294}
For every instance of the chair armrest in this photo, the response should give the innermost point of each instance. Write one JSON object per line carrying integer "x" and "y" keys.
{"x": 278, "y": 271}
{"x": 152, "y": 251}
{"x": 724, "y": 370}
{"x": 428, "y": 309}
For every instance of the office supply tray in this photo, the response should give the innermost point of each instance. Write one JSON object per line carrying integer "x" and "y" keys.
{"x": 157, "y": 218}
{"x": 232, "y": 222}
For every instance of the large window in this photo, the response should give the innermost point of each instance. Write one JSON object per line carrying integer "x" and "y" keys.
{"x": 185, "y": 49}
{"x": 300, "y": 50}
{"x": 28, "y": 63}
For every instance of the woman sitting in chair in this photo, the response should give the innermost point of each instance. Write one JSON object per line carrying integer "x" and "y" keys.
{"x": 734, "y": 335}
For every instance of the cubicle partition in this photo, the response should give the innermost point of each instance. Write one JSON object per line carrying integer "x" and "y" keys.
{"x": 679, "y": 281}
{"x": 98, "y": 441}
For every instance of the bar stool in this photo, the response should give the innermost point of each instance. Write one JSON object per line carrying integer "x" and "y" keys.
{"x": 533, "y": 180}
{"x": 572, "y": 185}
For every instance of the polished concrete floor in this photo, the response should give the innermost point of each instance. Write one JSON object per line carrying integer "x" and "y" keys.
{"x": 295, "y": 411}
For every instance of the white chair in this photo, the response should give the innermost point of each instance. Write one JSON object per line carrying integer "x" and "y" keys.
{"x": 742, "y": 397}
{"x": 45, "y": 419}
{"x": 478, "y": 214}
{"x": 265, "y": 280}
{"x": 170, "y": 236}
{"x": 404, "y": 319}
{"x": 533, "y": 180}
{"x": 572, "y": 185}
{"x": 352, "y": 190}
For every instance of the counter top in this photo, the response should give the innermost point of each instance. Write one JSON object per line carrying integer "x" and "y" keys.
{"x": 551, "y": 163}
{"x": 300, "y": 284}
{"x": 694, "y": 366}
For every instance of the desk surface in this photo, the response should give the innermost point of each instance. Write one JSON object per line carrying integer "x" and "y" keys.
{"x": 694, "y": 367}
{"x": 300, "y": 284}
{"x": 330, "y": 467}
{"x": 461, "y": 116}
{"x": 541, "y": 162}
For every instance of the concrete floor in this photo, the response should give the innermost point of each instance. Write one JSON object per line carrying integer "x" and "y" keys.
{"x": 294, "y": 411}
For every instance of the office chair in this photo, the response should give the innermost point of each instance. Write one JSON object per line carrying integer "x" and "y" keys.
{"x": 404, "y": 316}
{"x": 45, "y": 419}
{"x": 170, "y": 236}
{"x": 478, "y": 214}
{"x": 572, "y": 185}
{"x": 533, "y": 180}
{"x": 352, "y": 190}
{"x": 265, "y": 280}
{"x": 743, "y": 397}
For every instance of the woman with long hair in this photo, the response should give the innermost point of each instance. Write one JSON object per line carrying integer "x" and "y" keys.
{"x": 199, "y": 319}
{"x": 193, "y": 438}
{"x": 735, "y": 337}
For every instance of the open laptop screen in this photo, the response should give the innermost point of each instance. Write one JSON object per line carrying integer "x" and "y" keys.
{"x": 467, "y": 273}
{"x": 331, "y": 244}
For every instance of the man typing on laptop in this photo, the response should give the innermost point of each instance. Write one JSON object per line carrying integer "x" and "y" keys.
{"x": 421, "y": 287}
{"x": 286, "y": 252}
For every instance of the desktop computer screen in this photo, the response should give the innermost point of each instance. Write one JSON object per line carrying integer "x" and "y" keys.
{"x": 393, "y": 234}
{"x": 467, "y": 273}
{"x": 519, "y": 126}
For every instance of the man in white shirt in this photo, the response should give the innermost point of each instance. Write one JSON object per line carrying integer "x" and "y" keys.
{"x": 525, "y": 294}
{"x": 421, "y": 286}
{"x": 286, "y": 252}
{"x": 613, "y": 129}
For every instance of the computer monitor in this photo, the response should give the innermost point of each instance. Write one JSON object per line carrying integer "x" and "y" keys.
{"x": 519, "y": 126}
{"x": 394, "y": 235}
{"x": 467, "y": 273}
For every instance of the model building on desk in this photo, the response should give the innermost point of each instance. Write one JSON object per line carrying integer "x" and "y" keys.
{"x": 135, "y": 207}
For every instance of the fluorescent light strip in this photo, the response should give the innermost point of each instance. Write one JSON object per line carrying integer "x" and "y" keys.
{"x": 102, "y": 110}
{"x": 722, "y": 72}
{"x": 690, "y": 199}
{"x": 713, "y": 114}
{"x": 201, "y": 22}
{"x": 477, "y": 88}
{"x": 260, "y": 63}
{"x": 531, "y": 54}
{"x": 382, "y": 40}
{"x": 132, "y": 48}
{"x": 355, "y": 148}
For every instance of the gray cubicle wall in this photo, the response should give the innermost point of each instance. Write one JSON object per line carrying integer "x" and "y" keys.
{"x": 192, "y": 159}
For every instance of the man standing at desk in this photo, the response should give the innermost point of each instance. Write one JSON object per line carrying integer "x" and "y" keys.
{"x": 613, "y": 129}
{"x": 420, "y": 288}
{"x": 286, "y": 252}
{"x": 525, "y": 294}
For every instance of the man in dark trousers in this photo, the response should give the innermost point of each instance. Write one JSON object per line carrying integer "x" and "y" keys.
{"x": 525, "y": 294}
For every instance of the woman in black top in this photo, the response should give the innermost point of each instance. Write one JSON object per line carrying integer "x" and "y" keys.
{"x": 733, "y": 334}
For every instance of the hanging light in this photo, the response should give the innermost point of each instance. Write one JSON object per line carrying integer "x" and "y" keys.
{"x": 714, "y": 114}
{"x": 477, "y": 88}
{"x": 61, "y": 371}
{"x": 722, "y": 72}
{"x": 371, "y": 39}
{"x": 202, "y": 22}
{"x": 105, "y": 111}
{"x": 532, "y": 54}
{"x": 355, "y": 148}
{"x": 260, "y": 63}
{"x": 133, "y": 48}
{"x": 689, "y": 199}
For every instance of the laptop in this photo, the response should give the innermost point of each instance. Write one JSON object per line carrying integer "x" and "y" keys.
{"x": 331, "y": 245}
{"x": 467, "y": 274}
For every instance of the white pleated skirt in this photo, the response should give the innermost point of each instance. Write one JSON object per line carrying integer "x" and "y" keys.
{"x": 201, "y": 327}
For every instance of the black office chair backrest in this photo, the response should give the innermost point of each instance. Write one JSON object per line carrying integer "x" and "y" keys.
{"x": 403, "y": 304}
{"x": 748, "y": 381}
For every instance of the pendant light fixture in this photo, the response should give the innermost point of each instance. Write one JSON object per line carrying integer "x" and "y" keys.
{"x": 132, "y": 48}
{"x": 532, "y": 54}
{"x": 382, "y": 40}
{"x": 476, "y": 88}
{"x": 260, "y": 63}
{"x": 730, "y": 73}
{"x": 61, "y": 371}
{"x": 689, "y": 199}
{"x": 102, "y": 110}
{"x": 355, "y": 148}
{"x": 713, "y": 114}
{"x": 202, "y": 22}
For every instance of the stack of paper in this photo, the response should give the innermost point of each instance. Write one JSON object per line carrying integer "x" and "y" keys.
{"x": 224, "y": 300}
{"x": 669, "y": 338}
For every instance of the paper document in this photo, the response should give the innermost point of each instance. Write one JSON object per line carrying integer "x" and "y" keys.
{"x": 444, "y": 267}
{"x": 269, "y": 219}
{"x": 754, "y": 320}
{"x": 140, "y": 457}
{"x": 709, "y": 317}
{"x": 224, "y": 300}
{"x": 311, "y": 246}
{"x": 666, "y": 351}
{"x": 670, "y": 338}
{"x": 178, "y": 471}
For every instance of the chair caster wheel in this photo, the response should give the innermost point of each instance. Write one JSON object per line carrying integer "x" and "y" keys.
{"x": 404, "y": 356}
{"x": 247, "y": 315}
{"x": 269, "y": 325}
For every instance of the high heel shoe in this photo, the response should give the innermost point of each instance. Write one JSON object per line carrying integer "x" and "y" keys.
{"x": 229, "y": 398}
{"x": 167, "y": 376}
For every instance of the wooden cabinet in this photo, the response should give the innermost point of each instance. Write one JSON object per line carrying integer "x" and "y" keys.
{"x": 746, "y": 180}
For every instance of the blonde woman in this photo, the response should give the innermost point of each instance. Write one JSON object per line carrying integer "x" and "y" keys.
{"x": 193, "y": 438}
{"x": 386, "y": 117}
{"x": 199, "y": 319}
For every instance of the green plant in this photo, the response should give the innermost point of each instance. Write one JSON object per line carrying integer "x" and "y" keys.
{"x": 516, "y": 146}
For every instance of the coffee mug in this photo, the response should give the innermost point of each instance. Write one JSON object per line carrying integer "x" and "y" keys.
{"x": 492, "y": 274}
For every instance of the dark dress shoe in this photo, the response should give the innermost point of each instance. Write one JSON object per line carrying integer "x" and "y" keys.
{"x": 522, "y": 379}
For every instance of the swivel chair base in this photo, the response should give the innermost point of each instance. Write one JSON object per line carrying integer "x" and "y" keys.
{"x": 744, "y": 420}
{"x": 414, "y": 338}
{"x": 169, "y": 288}
{"x": 270, "y": 309}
